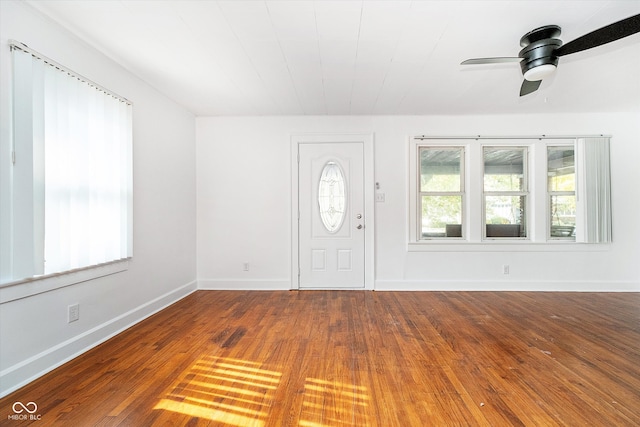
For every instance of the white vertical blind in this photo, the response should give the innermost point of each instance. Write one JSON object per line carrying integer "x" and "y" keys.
{"x": 27, "y": 174}
{"x": 593, "y": 205}
{"x": 81, "y": 139}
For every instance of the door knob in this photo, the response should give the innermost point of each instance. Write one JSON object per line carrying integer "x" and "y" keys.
{"x": 359, "y": 227}
{"x": 359, "y": 216}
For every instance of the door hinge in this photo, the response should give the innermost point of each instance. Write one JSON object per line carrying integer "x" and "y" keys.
{"x": 13, "y": 157}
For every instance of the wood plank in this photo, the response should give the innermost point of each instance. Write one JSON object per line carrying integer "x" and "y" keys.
{"x": 343, "y": 358}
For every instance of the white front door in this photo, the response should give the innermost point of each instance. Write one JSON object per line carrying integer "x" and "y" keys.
{"x": 331, "y": 226}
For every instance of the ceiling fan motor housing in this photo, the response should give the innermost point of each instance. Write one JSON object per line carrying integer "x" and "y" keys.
{"x": 539, "y": 50}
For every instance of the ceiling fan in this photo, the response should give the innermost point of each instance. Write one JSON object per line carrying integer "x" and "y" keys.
{"x": 542, "y": 49}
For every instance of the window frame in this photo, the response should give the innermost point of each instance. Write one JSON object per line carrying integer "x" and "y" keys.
{"x": 461, "y": 192}
{"x": 550, "y": 194}
{"x": 524, "y": 192}
{"x": 538, "y": 239}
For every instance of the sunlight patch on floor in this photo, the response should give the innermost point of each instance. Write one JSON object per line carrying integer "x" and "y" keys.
{"x": 242, "y": 393}
{"x": 210, "y": 413}
{"x": 332, "y": 403}
{"x": 225, "y": 390}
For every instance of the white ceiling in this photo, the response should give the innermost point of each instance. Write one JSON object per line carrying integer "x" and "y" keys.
{"x": 357, "y": 57}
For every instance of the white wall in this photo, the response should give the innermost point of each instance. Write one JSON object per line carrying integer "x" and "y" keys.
{"x": 244, "y": 174}
{"x": 35, "y": 335}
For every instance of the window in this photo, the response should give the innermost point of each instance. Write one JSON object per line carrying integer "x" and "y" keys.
{"x": 505, "y": 191}
{"x": 486, "y": 192}
{"x": 441, "y": 192}
{"x": 561, "y": 185}
{"x": 332, "y": 198}
{"x": 72, "y": 171}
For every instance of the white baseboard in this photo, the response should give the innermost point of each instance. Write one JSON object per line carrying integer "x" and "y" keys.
{"x": 244, "y": 285}
{"x": 20, "y": 374}
{"x": 493, "y": 285}
{"x": 438, "y": 285}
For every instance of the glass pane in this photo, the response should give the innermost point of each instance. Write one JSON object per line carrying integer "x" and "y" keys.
{"x": 440, "y": 169}
{"x": 332, "y": 198}
{"x": 441, "y": 216}
{"x": 504, "y": 169}
{"x": 563, "y": 216}
{"x": 561, "y": 169}
{"x": 505, "y": 216}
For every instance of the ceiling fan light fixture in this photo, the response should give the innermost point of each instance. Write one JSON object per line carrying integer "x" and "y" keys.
{"x": 540, "y": 72}
{"x": 541, "y": 49}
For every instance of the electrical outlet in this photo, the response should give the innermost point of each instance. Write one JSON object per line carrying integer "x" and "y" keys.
{"x": 505, "y": 269}
{"x": 73, "y": 313}
{"x": 245, "y": 266}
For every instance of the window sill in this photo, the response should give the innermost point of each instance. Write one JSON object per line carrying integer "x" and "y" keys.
{"x": 502, "y": 246}
{"x": 37, "y": 285}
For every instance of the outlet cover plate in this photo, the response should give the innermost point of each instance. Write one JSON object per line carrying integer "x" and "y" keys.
{"x": 74, "y": 313}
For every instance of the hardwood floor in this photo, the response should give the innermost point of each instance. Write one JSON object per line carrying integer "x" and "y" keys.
{"x": 355, "y": 358}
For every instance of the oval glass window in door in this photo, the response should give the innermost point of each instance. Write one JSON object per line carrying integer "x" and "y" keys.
{"x": 332, "y": 197}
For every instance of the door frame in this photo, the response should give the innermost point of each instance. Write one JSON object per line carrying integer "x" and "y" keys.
{"x": 369, "y": 200}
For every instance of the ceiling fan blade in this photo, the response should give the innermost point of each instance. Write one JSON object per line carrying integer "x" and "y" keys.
{"x": 528, "y": 87}
{"x": 497, "y": 60}
{"x": 604, "y": 35}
